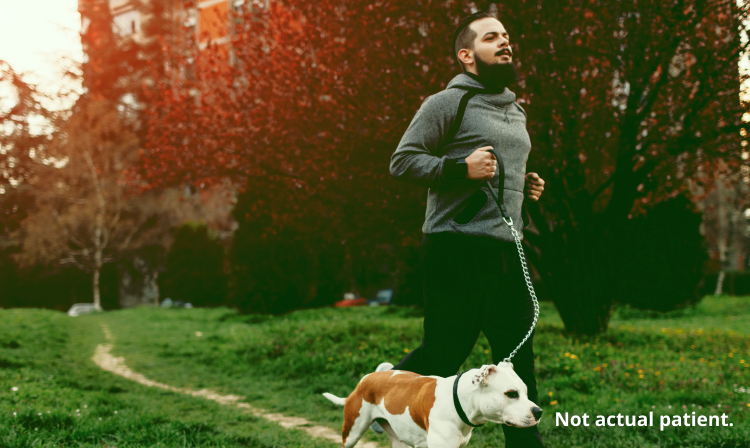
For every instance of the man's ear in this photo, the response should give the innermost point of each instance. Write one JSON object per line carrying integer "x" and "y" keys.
{"x": 484, "y": 376}
{"x": 467, "y": 52}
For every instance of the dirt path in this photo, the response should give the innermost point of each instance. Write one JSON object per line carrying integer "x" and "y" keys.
{"x": 104, "y": 359}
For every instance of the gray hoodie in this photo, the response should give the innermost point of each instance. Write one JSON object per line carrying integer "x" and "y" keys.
{"x": 455, "y": 203}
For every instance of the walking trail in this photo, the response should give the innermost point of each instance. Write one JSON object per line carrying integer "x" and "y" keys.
{"x": 104, "y": 359}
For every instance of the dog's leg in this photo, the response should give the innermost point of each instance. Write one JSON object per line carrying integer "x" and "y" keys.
{"x": 356, "y": 429}
{"x": 395, "y": 441}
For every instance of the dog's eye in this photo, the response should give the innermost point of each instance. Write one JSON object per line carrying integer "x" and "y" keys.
{"x": 512, "y": 394}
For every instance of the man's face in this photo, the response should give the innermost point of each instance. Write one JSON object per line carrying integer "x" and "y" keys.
{"x": 492, "y": 44}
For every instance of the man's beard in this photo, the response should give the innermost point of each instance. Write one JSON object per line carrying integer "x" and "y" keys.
{"x": 497, "y": 75}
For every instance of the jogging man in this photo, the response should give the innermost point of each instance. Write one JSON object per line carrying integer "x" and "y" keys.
{"x": 472, "y": 276}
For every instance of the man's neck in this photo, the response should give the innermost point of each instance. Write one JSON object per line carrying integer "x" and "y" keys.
{"x": 485, "y": 83}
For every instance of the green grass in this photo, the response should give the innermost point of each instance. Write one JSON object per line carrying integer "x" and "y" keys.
{"x": 64, "y": 399}
{"x": 284, "y": 363}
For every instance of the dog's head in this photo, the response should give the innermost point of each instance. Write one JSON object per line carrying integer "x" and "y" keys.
{"x": 502, "y": 396}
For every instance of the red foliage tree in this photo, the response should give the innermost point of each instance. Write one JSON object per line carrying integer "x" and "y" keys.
{"x": 628, "y": 100}
{"x": 316, "y": 97}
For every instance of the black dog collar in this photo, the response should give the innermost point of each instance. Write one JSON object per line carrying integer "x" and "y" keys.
{"x": 457, "y": 404}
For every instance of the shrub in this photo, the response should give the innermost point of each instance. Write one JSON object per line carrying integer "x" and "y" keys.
{"x": 660, "y": 258}
{"x": 194, "y": 269}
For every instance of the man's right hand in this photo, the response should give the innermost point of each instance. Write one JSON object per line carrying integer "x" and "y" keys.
{"x": 481, "y": 164}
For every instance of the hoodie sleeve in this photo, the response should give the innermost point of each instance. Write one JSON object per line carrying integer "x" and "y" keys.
{"x": 415, "y": 161}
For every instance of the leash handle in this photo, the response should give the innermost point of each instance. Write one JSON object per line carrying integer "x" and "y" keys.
{"x": 499, "y": 200}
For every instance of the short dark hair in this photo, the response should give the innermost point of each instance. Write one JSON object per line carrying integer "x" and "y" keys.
{"x": 463, "y": 36}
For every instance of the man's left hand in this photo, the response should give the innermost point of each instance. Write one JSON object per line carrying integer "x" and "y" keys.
{"x": 534, "y": 186}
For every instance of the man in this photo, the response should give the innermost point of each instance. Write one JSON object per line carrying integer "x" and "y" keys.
{"x": 472, "y": 276}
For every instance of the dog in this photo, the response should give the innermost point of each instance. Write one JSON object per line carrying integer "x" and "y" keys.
{"x": 420, "y": 410}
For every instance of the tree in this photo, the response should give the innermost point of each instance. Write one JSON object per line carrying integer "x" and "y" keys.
{"x": 311, "y": 175}
{"x": 85, "y": 214}
{"x": 23, "y": 150}
{"x": 25, "y": 156}
{"x": 626, "y": 100}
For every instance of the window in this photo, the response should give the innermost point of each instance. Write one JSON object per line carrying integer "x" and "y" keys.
{"x": 127, "y": 23}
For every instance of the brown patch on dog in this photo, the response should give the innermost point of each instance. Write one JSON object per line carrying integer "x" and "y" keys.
{"x": 402, "y": 390}
{"x": 352, "y": 406}
{"x": 399, "y": 391}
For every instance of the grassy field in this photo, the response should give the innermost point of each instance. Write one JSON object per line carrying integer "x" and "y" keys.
{"x": 669, "y": 364}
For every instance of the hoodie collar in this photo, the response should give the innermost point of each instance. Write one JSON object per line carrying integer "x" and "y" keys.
{"x": 494, "y": 96}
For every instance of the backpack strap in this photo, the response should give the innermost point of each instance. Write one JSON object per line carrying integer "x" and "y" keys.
{"x": 456, "y": 125}
{"x": 458, "y": 119}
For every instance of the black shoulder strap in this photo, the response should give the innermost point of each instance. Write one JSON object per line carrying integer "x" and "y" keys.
{"x": 460, "y": 115}
{"x": 456, "y": 125}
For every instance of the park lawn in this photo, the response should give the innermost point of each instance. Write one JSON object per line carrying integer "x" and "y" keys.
{"x": 62, "y": 399}
{"x": 724, "y": 313}
{"x": 675, "y": 363}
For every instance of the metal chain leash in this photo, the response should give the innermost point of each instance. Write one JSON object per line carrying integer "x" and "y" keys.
{"x": 509, "y": 221}
{"x": 530, "y": 287}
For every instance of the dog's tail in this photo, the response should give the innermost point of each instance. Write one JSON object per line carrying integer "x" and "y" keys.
{"x": 335, "y": 399}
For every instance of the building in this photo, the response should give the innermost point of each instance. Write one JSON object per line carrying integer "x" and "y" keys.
{"x": 207, "y": 20}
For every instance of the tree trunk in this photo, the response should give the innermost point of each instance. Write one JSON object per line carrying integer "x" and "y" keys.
{"x": 99, "y": 230}
{"x": 158, "y": 293}
{"x": 572, "y": 266}
{"x": 314, "y": 269}
{"x": 719, "y": 283}
{"x": 95, "y": 287}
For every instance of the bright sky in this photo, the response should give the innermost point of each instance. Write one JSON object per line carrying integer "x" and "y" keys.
{"x": 36, "y": 38}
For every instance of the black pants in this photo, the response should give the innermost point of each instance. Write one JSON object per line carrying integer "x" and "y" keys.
{"x": 474, "y": 284}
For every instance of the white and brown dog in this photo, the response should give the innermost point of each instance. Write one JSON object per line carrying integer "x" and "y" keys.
{"x": 420, "y": 410}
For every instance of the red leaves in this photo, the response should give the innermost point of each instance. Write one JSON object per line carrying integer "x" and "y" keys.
{"x": 326, "y": 89}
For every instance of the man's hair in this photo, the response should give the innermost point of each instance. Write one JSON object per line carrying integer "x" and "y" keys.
{"x": 463, "y": 36}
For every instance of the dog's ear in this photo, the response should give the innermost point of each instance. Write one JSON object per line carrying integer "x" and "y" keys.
{"x": 484, "y": 376}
